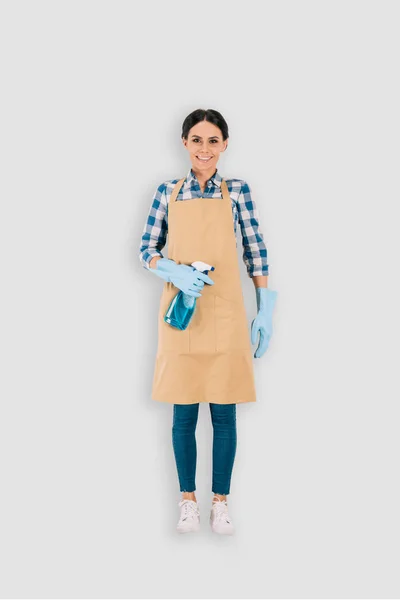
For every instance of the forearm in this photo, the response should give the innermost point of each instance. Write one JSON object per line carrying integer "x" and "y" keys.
{"x": 260, "y": 281}
{"x": 153, "y": 262}
{"x": 155, "y": 230}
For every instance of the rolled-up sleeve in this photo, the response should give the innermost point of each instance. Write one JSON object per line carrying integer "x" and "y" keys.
{"x": 154, "y": 235}
{"x": 254, "y": 248}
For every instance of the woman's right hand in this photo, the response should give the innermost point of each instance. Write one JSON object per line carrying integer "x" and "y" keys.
{"x": 185, "y": 277}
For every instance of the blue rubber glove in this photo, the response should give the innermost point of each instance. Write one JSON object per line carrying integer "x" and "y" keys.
{"x": 266, "y": 299}
{"x": 185, "y": 277}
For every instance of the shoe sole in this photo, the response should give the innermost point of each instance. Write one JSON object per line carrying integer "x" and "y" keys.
{"x": 221, "y": 532}
{"x": 194, "y": 530}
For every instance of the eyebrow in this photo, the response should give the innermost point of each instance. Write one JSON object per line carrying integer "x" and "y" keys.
{"x": 210, "y": 138}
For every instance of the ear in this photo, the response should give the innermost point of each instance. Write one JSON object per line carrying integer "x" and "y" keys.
{"x": 184, "y": 142}
{"x": 226, "y": 145}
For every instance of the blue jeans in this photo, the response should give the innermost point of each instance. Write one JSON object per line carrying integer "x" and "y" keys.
{"x": 223, "y": 417}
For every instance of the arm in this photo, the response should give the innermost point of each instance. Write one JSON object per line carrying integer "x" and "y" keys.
{"x": 260, "y": 281}
{"x": 254, "y": 249}
{"x": 154, "y": 235}
{"x": 255, "y": 258}
{"x": 153, "y": 262}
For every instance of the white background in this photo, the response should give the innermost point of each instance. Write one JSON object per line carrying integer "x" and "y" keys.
{"x": 93, "y": 98}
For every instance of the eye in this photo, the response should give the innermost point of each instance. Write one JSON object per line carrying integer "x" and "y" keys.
{"x": 214, "y": 141}
{"x": 195, "y": 140}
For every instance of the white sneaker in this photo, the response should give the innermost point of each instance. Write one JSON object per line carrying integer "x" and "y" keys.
{"x": 190, "y": 516}
{"x": 220, "y": 520}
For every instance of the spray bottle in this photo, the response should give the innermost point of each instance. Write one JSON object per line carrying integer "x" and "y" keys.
{"x": 182, "y": 307}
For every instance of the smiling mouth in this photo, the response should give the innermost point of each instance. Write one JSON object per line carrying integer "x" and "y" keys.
{"x": 204, "y": 159}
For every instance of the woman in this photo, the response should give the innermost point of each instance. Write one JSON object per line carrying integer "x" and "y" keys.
{"x": 211, "y": 360}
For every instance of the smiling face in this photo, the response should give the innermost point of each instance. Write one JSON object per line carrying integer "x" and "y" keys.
{"x": 204, "y": 144}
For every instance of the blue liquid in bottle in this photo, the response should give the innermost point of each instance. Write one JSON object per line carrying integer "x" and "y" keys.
{"x": 182, "y": 306}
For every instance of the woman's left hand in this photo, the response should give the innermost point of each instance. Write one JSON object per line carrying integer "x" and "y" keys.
{"x": 262, "y": 324}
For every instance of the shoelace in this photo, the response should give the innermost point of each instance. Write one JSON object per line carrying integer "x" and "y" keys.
{"x": 190, "y": 509}
{"x": 221, "y": 510}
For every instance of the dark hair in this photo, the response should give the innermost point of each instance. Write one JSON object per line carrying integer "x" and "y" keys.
{"x": 210, "y": 115}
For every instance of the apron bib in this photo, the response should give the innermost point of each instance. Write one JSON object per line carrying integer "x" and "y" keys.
{"x": 210, "y": 361}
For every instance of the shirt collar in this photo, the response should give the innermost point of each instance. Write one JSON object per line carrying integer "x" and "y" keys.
{"x": 192, "y": 179}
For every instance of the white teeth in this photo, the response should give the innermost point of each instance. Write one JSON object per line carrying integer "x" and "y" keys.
{"x": 204, "y": 159}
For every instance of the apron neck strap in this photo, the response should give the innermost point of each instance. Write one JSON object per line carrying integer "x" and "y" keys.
{"x": 176, "y": 189}
{"x": 225, "y": 193}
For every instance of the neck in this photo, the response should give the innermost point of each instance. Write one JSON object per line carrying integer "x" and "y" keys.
{"x": 202, "y": 176}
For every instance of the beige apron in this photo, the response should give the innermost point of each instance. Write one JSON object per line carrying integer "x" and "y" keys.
{"x": 210, "y": 361}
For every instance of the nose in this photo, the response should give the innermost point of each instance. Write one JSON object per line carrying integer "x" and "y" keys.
{"x": 205, "y": 147}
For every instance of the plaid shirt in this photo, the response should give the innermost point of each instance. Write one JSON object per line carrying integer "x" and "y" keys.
{"x": 244, "y": 211}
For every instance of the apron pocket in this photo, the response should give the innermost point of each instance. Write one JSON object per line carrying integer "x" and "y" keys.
{"x": 202, "y": 339}
{"x": 230, "y": 330}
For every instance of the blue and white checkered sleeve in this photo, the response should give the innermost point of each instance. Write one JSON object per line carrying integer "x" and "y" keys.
{"x": 254, "y": 249}
{"x": 154, "y": 235}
